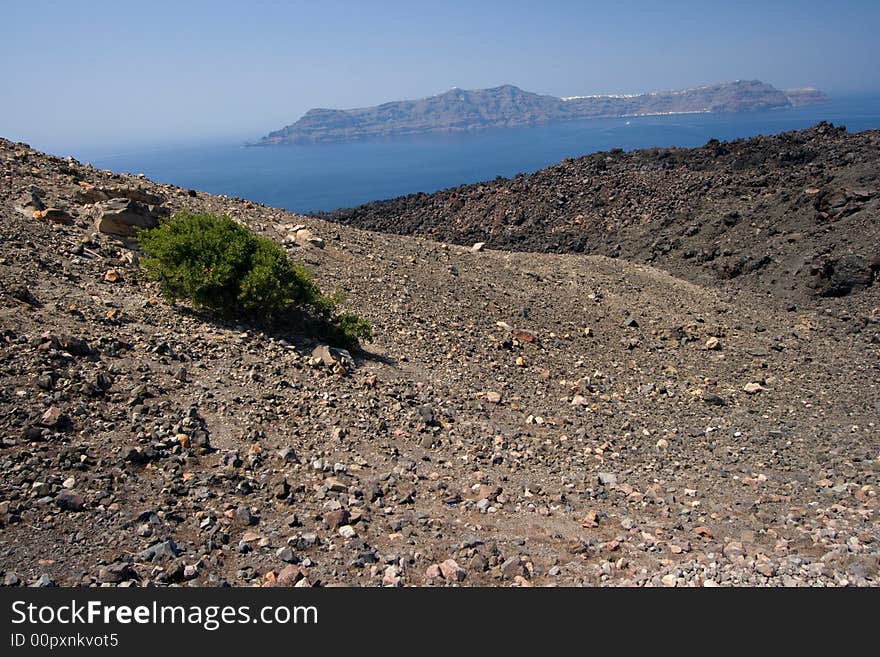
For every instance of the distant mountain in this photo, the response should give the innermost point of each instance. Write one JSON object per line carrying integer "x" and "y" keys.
{"x": 460, "y": 110}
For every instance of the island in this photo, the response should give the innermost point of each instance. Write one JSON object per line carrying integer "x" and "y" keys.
{"x": 460, "y": 110}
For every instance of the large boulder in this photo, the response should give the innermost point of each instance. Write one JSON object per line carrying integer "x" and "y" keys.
{"x": 30, "y": 203}
{"x": 324, "y": 355}
{"x": 123, "y": 216}
{"x": 305, "y": 237}
{"x": 91, "y": 194}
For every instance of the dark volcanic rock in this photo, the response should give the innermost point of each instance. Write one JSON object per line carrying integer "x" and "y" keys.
{"x": 69, "y": 500}
{"x": 744, "y": 211}
{"x": 116, "y": 572}
{"x": 161, "y": 551}
{"x": 839, "y": 277}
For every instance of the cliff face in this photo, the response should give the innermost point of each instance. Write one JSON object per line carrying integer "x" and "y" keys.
{"x": 805, "y": 96}
{"x": 508, "y": 106}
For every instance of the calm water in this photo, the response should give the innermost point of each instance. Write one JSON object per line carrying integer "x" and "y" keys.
{"x": 328, "y": 176}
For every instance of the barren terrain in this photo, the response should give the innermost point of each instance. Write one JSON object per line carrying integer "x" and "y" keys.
{"x": 520, "y": 419}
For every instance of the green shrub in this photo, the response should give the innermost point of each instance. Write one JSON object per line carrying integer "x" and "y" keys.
{"x": 352, "y": 328}
{"x": 220, "y": 265}
{"x": 199, "y": 257}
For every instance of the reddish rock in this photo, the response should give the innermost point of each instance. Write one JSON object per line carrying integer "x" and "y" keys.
{"x": 433, "y": 572}
{"x": 451, "y": 571}
{"x": 336, "y": 519}
{"x": 290, "y": 575}
{"x": 53, "y": 417}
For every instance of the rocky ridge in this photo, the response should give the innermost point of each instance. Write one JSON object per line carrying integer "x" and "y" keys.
{"x": 520, "y": 420}
{"x": 792, "y": 216}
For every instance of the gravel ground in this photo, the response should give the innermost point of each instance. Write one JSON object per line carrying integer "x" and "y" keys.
{"x": 521, "y": 419}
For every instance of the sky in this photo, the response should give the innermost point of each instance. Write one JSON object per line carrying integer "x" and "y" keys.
{"x": 115, "y": 74}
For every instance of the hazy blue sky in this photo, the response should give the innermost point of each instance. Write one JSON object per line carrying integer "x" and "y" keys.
{"x": 115, "y": 73}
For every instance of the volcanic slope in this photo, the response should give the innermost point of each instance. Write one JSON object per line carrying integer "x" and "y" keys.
{"x": 793, "y": 215}
{"x": 520, "y": 419}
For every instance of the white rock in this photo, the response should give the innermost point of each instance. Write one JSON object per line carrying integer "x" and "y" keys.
{"x": 305, "y": 237}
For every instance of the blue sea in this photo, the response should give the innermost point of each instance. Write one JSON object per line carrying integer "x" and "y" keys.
{"x": 306, "y": 178}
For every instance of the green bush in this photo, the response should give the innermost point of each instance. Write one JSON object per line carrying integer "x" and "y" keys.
{"x": 220, "y": 265}
{"x": 353, "y": 327}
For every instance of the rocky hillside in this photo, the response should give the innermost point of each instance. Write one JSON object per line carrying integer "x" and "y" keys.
{"x": 508, "y": 106}
{"x": 520, "y": 420}
{"x": 793, "y": 215}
